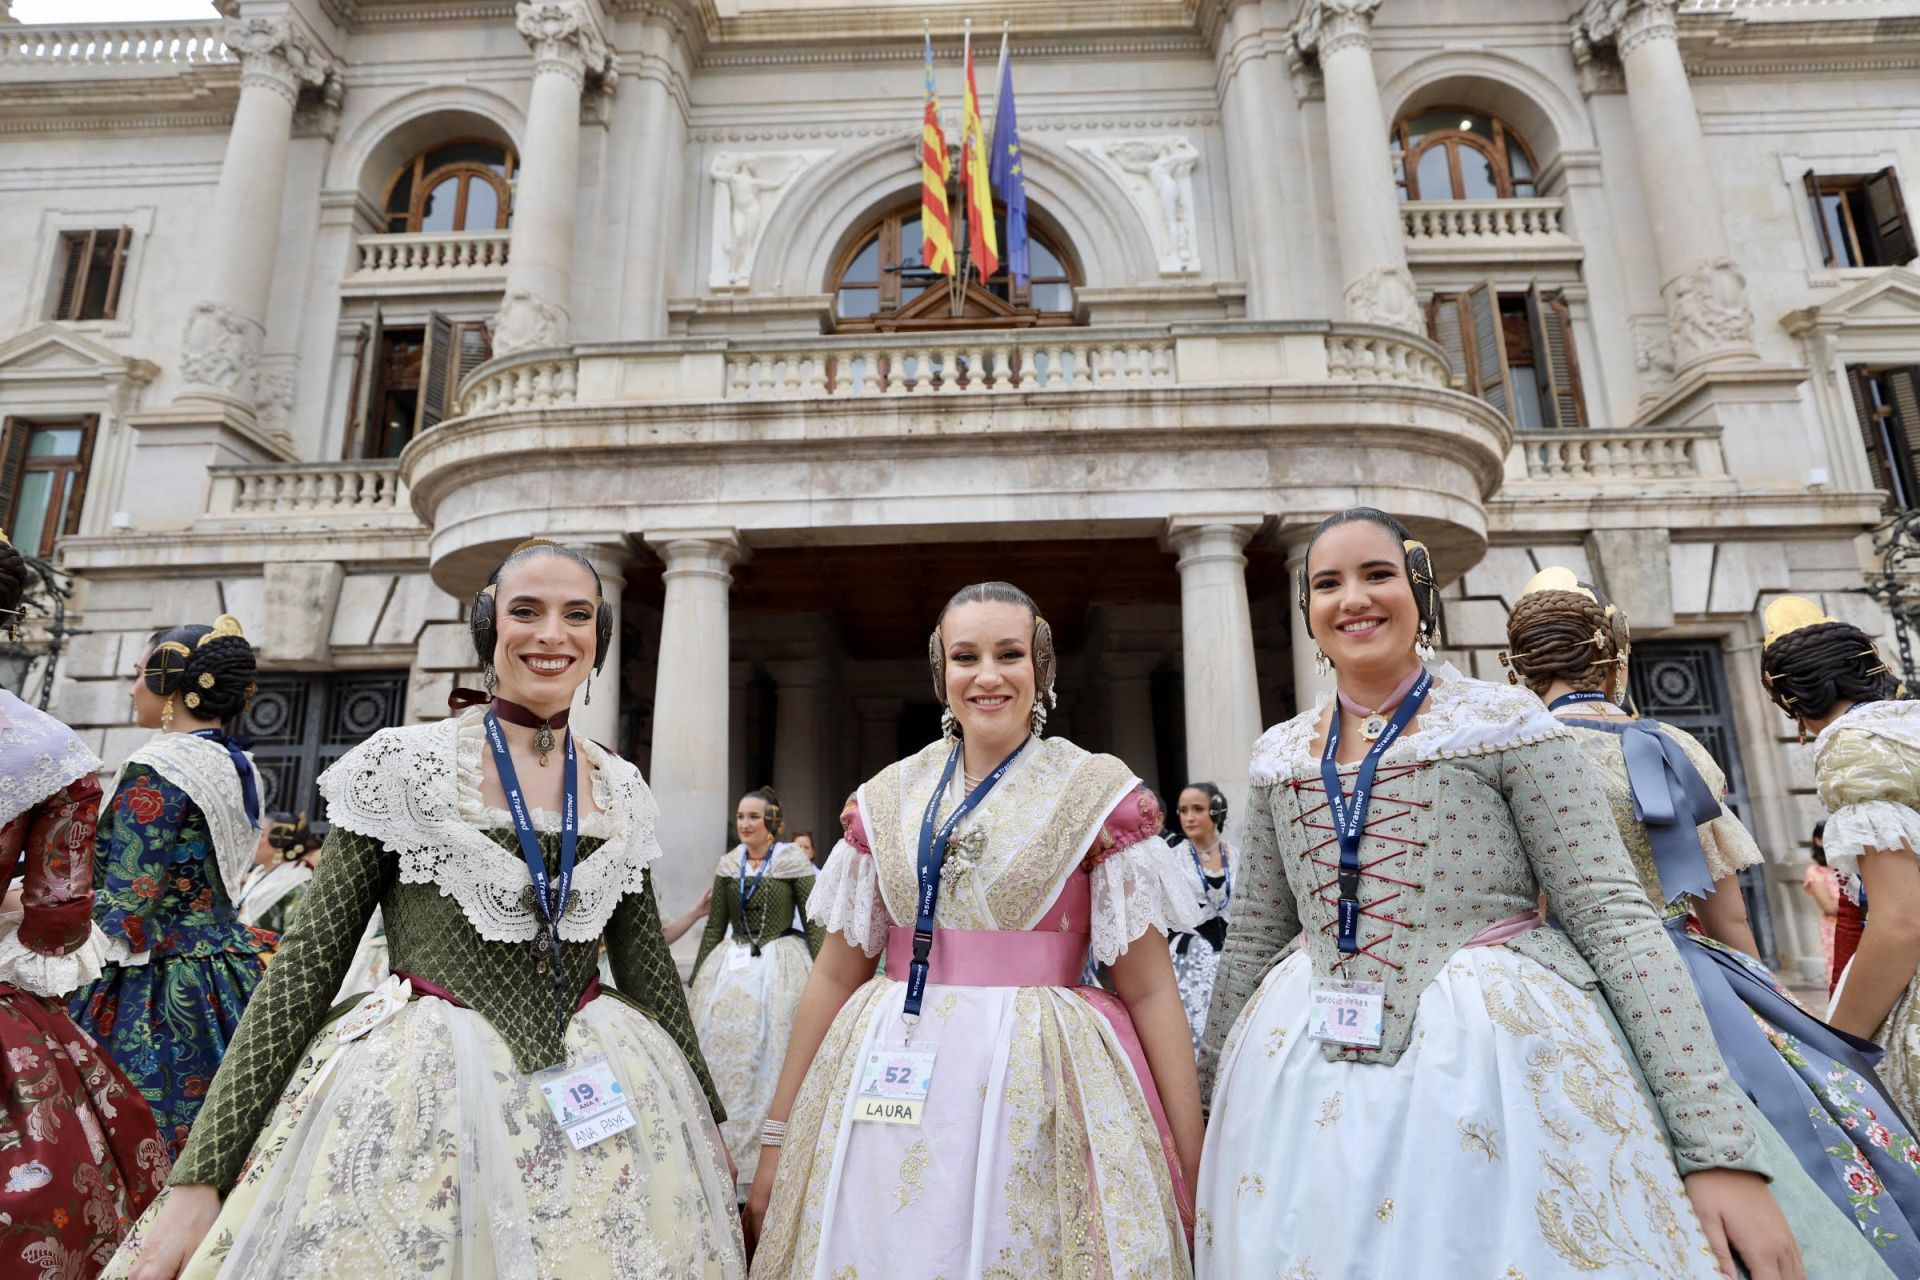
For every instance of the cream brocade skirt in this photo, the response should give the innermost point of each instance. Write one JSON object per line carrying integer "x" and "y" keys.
{"x": 1037, "y": 1156}
{"x": 421, "y": 1152}
{"x": 1511, "y": 1138}
{"x": 744, "y": 1018}
{"x": 1899, "y": 1035}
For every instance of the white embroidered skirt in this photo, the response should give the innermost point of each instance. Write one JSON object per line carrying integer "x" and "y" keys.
{"x": 422, "y": 1153}
{"x": 1036, "y": 1157}
{"x": 1511, "y": 1137}
{"x": 744, "y": 1018}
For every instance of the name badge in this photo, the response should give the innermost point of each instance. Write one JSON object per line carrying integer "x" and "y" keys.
{"x": 737, "y": 956}
{"x": 1348, "y": 1013}
{"x": 586, "y": 1101}
{"x": 385, "y": 1000}
{"x": 893, "y": 1084}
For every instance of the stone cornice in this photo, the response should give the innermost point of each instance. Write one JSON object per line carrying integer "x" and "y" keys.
{"x": 947, "y": 53}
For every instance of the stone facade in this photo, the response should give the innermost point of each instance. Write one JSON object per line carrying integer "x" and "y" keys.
{"x": 787, "y": 498}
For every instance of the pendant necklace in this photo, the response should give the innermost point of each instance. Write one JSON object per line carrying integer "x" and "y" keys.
{"x": 1373, "y": 722}
{"x": 543, "y": 740}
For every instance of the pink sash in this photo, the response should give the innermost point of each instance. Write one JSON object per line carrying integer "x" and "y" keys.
{"x": 1506, "y": 930}
{"x": 1031, "y": 958}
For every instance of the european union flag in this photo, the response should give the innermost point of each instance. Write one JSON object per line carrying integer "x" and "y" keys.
{"x": 1004, "y": 173}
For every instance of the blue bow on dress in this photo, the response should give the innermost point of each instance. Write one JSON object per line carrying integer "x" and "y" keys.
{"x": 237, "y": 746}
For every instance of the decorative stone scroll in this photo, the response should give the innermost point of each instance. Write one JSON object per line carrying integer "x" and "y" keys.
{"x": 1157, "y": 176}
{"x": 279, "y": 56}
{"x": 747, "y": 186}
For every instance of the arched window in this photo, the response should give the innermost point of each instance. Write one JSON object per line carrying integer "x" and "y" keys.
{"x": 1450, "y": 153}
{"x": 456, "y": 186}
{"x": 878, "y": 284}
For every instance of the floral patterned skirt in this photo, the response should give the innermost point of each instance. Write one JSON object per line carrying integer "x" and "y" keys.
{"x": 79, "y": 1155}
{"x": 418, "y": 1151}
{"x": 167, "y": 1023}
{"x": 744, "y": 1017}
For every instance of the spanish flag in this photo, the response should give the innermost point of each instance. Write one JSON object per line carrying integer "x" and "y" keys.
{"x": 936, "y": 220}
{"x": 983, "y": 241}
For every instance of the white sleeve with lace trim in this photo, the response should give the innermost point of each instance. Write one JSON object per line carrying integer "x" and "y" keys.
{"x": 1138, "y": 888}
{"x": 846, "y": 899}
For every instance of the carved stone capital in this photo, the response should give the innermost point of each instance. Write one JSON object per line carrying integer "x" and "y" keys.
{"x": 565, "y": 39}
{"x": 1707, "y": 312}
{"x": 278, "y": 56}
{"x": 220, "y": 351}
{"x": 1325, "y": 27}
{"x": 1386, "y": 295}
{"x": 528, "y": 323}
{"x": 1623, "y": 24}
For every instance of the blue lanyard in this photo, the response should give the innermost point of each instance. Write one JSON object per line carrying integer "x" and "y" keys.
{"x": 1200, "y": 869}
{"x": 1568, "y": 699}
{"x": 933, "y": 855}
{"x": 746, "y": 892}
{"x": 1350, "y": 815}
{"x": 549, "y": 894}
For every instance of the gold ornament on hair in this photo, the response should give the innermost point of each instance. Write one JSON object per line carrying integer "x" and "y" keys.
{"x": 1789, "y": 614}
{"x": 224, "y": 625}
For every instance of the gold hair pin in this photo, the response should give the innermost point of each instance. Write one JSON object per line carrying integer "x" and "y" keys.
{"x": 1789, "y": 614}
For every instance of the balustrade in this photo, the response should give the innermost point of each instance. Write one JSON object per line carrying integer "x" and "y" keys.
{"x": 435, "y": 253}
{"x": 1438, "y": 223}
{"x": 114, "y": 44}
{"x": 308, "y": 488}
{"x": 1574, "y": 457}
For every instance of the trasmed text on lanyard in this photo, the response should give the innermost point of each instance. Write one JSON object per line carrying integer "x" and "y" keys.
{"x": 1350, "y": 813}
{"x": 549, "y": 893}
{"x": 1568, "y": 699}
{"x": 933, "y": 855}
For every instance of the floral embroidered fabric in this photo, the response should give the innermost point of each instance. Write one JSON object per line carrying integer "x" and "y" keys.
{"x": 205, "y": 772}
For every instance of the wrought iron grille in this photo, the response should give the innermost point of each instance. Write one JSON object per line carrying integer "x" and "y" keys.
{"x": 300, "y": 724}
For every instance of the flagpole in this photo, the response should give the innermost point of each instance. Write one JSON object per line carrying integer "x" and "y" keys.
{"x": 957, "y": 282}
{"x": 999, "y": 76}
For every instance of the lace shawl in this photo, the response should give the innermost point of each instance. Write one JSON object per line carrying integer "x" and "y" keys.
{"x": 417, "y": 791}
{"x": 205, "y": 772}
{"x": 38, "y": 756}
{"x": 789, "y": 862}
{"x": 1462, "y": 717}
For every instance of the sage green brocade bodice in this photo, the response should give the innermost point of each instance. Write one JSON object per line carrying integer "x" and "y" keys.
{"x": 427, "y": 937}
{"x": 768, "y": 916}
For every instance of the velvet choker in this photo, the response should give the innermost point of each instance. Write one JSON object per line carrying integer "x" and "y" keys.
{"x": 514, "y": 713}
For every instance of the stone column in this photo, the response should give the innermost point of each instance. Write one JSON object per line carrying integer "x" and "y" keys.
{"x": 654, "y": 194}
{"x": 739, "y": 676}
{"x": 1308, "y": 683}
{"x": 879, "y": 735}
{"x": 600, "y": 719}
{"x": 1704, "y": 292}
{"x": 798, "y": 772}
{"x": 1216, "y": 627}
{"x": 1250, "y": 116}
{"x": 220, "y": 351}
{"x": 567, "y": 49}
{"x": 1373, "y": 252}
{"x": 690, "y": 714}
{"x": 1130, "y": 715}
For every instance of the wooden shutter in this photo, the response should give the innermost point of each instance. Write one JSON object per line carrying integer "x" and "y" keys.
{"x": 436, "y": 372}
{"x": 1869, "y": 420}
{"x": 83, "y": 462}
{"x": 1819, "y": 218}
{"x": 366, "y": 389}
{"x": 1903, "y": 390}
{"x": 1489, "y": 348}
{"x": 1554, "y": 362}
{"x": 473, "y": 345}
{"x": 1892, "y": 234}
{"x": 78, "y": 246}
{"x": 122, "y": 238}
{"x": 13, "y": 455}
{"x": 1446, "y": 324}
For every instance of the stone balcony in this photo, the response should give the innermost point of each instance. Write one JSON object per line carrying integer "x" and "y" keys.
{"x": 328, "y": 491}
{"x": 436, "y": 262}
{"x": 139, "y": 46}
{"x": 1441, "y": 231}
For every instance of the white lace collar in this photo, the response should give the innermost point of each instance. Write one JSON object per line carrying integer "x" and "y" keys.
{"x": 203, "y": 769}
{"x": 475, "y": 811}
{"x": 1462, "y": 717}
{"x": 788, "y": 862}
{"x": 38, "y": 756}
{"x": 1895, "y": 718}
{"x": 417, "y": 791}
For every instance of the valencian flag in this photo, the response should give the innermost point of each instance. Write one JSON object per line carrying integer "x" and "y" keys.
{"x": 981, "y": 238}
{"x": 936, "y": 220}
{"x": 1006, "y": 169}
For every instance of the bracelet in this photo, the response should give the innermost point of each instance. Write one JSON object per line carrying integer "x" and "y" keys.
{"x": 773, "y": 1133}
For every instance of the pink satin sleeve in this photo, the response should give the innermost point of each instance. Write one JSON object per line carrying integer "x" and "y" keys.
{"x": 1134, "y": 819}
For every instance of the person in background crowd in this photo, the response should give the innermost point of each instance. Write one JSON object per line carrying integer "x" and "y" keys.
{"x": 804, "y": 839}
{"x": 1829, "y": 677}
{"x": 1812, "y": 1085}
{"x": 676, "y": 928}
{"x": 1822, "y": 883}
{"x": 490, "y": 1110}
{"x": 1401, "y": 833}
{"x": 175, "y": 846}
{"x": 1196, "y": 952}
{"x": 752, "y": 966}
{"x": 80, "y": 1156}
{"x": 283, "y": 863}
{"x": 1050, "y": 1129}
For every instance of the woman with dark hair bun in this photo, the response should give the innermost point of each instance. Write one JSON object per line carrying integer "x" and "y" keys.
{"x": 1202, "y": 814}
{"x": 1830, "y": 678}
{"x": 1846, "y": 1169}
{"x": 175, "y": 847}
{"x": 79, "y": 1154}
{"x": 751, "y": 968}
{"x": 491, "y": 1109}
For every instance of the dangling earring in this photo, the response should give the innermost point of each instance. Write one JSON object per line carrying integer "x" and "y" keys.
{"x": 589, "y": 701}
{"x": 166, "y": 717}
{"x": 1321, "y": 662}
{"x": 1037, "y": 718}
{"x": 1423, "y": 644}
{"x": 949, "y": 725}
{"x": 489, "y": 678}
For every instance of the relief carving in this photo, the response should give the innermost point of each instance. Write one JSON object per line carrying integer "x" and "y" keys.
{"x": 1157, "y": 175}
{"x": 746, "y": 189}
{"x": 1386, "y": 295}
{"x": 220, "y": 351}
{"x": 527, "y": 323}
{"x": 1707, "y": 311}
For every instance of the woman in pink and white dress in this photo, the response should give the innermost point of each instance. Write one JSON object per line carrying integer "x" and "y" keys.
{"x": 1060, "y": 1129}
